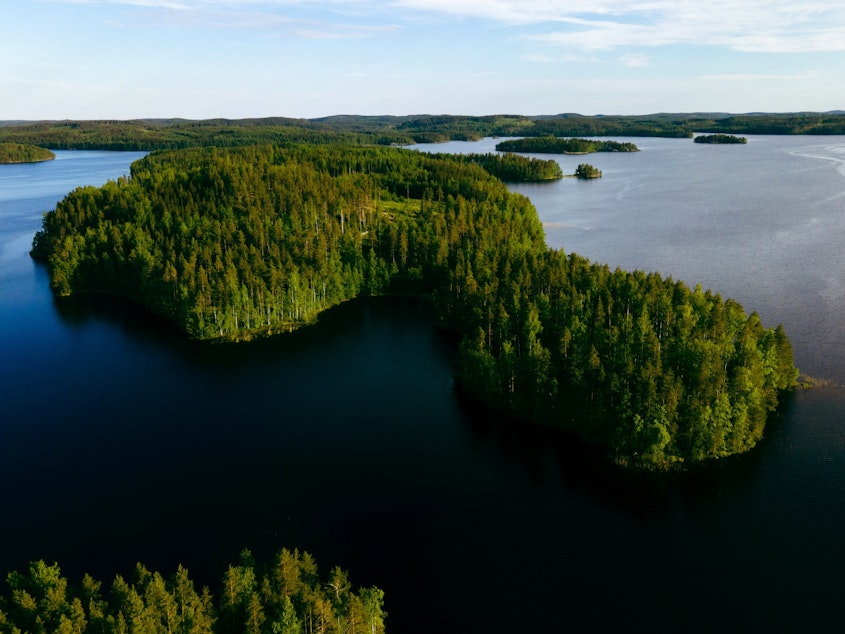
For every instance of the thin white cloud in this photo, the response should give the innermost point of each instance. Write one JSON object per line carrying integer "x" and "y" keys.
{"x": 155, "y": 4}
{"x": 808, "y": 76}
{"x": 246, "y": 16}
{"x": 222, "y": 4}
{"x": 212, "y": 18}
{"x": 558, "y": 58}
{"x": 342, "y": 32}
{"x": 635, "y": 61}
{"x": 752, "y": 25}
{"x": 510, "y": 12}
{"x": 770, "y": 26}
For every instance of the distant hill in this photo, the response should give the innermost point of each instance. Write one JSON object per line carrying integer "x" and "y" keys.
{"x": 151, "y": 134}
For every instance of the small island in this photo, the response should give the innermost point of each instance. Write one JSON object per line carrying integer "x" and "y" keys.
{"x": 720, "y": 138}
{"x": 556, "y": 145}
{"x": 20, "y": 153}
{"x": 587, "y": 171}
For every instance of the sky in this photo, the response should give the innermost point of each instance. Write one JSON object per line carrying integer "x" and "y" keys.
{"x": 197, "y": 59}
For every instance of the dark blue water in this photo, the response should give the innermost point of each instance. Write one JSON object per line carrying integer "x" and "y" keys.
{"x": 122, "y": 442}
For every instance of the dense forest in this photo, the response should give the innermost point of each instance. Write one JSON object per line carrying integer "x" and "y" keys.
{"x": 720, "y": 138}
{"x": 145, "y": 135}
{"x": 587, "y": 171}
{"x": 235, "y": 243}
{"x": 555, "y": 145}
{"x": 151, "y": 134}
{"x": 19, "y": 153}
{"x": 513, "y": 168}
{"x": 685, "y": 125}
{"x": 286, "y": 597}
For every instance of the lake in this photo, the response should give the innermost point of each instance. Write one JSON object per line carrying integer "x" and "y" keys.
{"x": 120, "y": 441}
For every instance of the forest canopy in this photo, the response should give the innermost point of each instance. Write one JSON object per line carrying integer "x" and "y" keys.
{"x": 235, "y": 243}
{"x": 286, "y": 597}
{"x": 19, "y": 153}
{"x": 556, "y": 145}
{"x": 513, "y": 168}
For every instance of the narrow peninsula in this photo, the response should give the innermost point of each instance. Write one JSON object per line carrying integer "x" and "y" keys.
{"x": 237, "y": 243}
{"x": 20, "y": 153}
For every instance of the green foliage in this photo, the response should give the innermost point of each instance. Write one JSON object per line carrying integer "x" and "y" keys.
{"x": 176, "y": 134}
{"x": 685, "y": 125}
{"x": 286, "y": 597}
{"x": 720, "y": 138}
{"x": 587, "y": 171}
{"x": 513, "y": 168}
{"x": 257, "y": 240}
{"x": 555, "y": 145}
{"x": 19, "y": 153}
{"x": 428, "y": 129}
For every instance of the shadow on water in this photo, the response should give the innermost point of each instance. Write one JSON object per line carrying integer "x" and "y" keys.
{"x": 83, "y": 310}
{"x": 329, "y": 439}
{"x": 145, "y": 329}
{"x": 546, "y": 455}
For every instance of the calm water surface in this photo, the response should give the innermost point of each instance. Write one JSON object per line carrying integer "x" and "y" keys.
{"x": 122, "y": 442}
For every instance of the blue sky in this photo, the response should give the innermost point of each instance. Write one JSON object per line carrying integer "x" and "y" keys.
{"x": 121, "y": 59}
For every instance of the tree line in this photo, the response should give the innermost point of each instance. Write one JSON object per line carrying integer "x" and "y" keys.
{"x": 513, "y": 168}
{"x": 288, "y": 596}
{"x": 720, "y": 138}
{"x": 235, "y": 243}
{"x": 557, "y": 145}
{"x": 150, "y": 134}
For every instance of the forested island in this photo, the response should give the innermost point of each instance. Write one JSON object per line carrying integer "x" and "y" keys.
{"x": 19, "y": 153}
{"x": 236, "y": 243}
{"x": 720, "y": 138}
{"x": 285, "y": 597}
{"x": 556, "y": 145}
{"x": 587, "y": 171}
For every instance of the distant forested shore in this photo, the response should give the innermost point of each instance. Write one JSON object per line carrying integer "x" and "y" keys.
{"x": 152, "y": 134}
{"x": 236, "y": 243}
{"x": 585, "y": 171}
{"x": 20, "y": 153}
